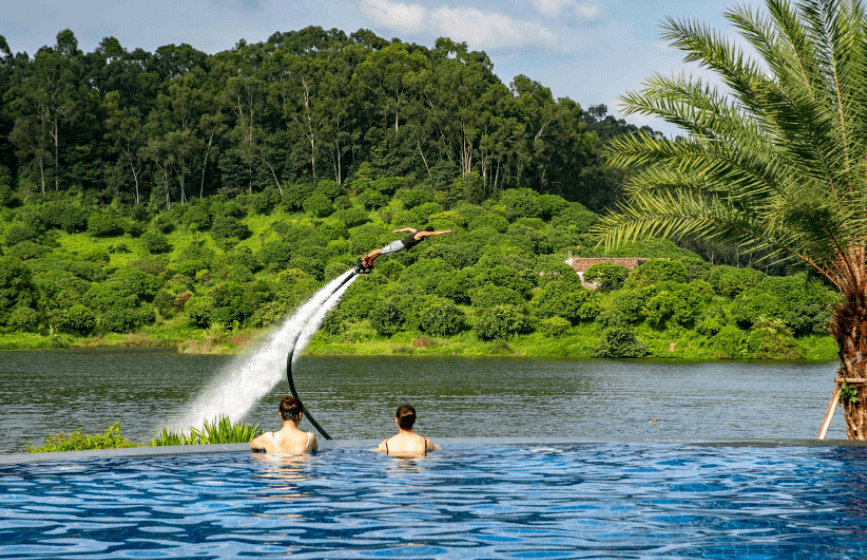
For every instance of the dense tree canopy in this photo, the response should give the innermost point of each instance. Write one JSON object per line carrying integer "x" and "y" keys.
{"x": 301, "y": 107}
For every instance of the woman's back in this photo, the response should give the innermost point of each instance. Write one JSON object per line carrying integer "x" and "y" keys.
{"x": 407, "y": 445}
{"x": 285, "y": 441}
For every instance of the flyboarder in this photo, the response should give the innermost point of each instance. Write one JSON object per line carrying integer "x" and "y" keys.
{"x": 416, "y": 236}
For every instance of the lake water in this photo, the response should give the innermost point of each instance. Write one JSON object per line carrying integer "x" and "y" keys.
{"x": 354, "y": 398}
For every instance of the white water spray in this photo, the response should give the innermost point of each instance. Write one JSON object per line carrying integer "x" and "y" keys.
{"x": 249, "y": 378}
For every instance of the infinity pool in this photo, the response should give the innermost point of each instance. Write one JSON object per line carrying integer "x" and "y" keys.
{"x": 469, "y": 500}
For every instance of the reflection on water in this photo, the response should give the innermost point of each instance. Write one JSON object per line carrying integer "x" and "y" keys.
{"x": 354, "y": 398}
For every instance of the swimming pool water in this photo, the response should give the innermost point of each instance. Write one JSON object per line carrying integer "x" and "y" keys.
{"x": 465, "y": 501}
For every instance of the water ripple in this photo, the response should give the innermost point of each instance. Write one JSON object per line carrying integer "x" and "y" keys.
{"x": 464, "y": 502}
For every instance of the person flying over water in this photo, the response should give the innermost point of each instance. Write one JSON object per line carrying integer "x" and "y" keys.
{"x": 416, "y": 236}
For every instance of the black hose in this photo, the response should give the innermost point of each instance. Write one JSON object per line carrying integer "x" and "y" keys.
{"x": 289, "y": 374}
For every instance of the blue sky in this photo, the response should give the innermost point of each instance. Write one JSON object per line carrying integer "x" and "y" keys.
{"x": 592, "y": 51}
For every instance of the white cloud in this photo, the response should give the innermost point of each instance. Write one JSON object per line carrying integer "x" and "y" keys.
{"x": 395, "y": 15}
{"x": 480, "y": 30}
{"x": 581, "y": 12}
{"x": 551, "y": 8}
{"x": 490, "y": 31}
{"x": 587, "y": 12}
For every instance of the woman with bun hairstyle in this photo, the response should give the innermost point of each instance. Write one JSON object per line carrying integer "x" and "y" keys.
{"x": 406, "y": 443}
{"x": 289, "y": 439}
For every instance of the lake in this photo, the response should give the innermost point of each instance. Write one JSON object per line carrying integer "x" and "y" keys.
{"x": 355, "y": 397}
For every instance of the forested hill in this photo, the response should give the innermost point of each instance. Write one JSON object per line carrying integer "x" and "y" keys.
{"x": 163, "y": 127}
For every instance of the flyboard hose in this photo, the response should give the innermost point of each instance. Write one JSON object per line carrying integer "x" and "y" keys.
{"x": 292, "y": 389}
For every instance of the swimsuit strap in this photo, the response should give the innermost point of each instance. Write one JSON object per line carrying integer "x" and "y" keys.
{"x": 307, "y": 445}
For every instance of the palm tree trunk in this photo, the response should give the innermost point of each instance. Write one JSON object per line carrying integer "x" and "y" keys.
{"x": 849, "y": 328}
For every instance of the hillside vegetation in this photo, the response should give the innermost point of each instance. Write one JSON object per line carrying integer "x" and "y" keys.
{"x": 213, "y": 274}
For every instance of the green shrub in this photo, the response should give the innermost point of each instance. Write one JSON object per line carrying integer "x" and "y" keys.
{"x": 551, "y": 205}
{"x": 275, "y": 255}
{"x": 386, "y": 318}
{"x": 442, "y": 319}
{"x": 490, "y": 295}
{"x": 27, "y": 250}
{"x": 24, "y": 319}
{"x": 521, "y": 203}
{"x": 730, "y": 282}
{"x": 78, "y": 320}
{"x": 656, "y": 271}
{"x": 681, "y": 303}
{"x": 619, "y": 342}
{"x": 564, "y": 299}
{"x": 226, "y": 227}
{"x": 608, "y": 276}
{"x": 371, "y": 199}
{"x": 771, "y": 339}
{"x": 330, "y": 188}
{"x": 16, "y": 287}
{"x": 414, "y": 197}
{"x": 198, "y": 215}
{"x": 163, "y": 222}
{"x": 502, "y": 321}
{"x": 124, "y": 320}
{"x": 319, "y": 205}
{"x": 155, "y": 243}
{"x": 575, "y": 218}
{"x": 529, "y": 240}
{"x": 165, "y": 302}
{"x": 229, "y": 304}
{"x": 520, "y": 280}
{"x": 352, "y": 217}
{"x": 20, "y": 232}
{"x": 386, "y": 185}
{"x": 555, "y": 327}
{"x": 424, "y": 211}
{"x": 198, "y": 312}
{"x": 803, "y": 306}
{"x": 103, "y": 224}
{"x": 70, "y": 217}
{"x": 294, "y": 196}
{"x": 730, "y": 342}
{"x": 77, "y": 441}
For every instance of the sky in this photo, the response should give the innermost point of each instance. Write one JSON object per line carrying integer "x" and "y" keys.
{"x": 592, "y": 51}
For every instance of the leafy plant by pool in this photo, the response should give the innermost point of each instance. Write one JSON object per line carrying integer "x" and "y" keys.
{"x": 220, "y": 430}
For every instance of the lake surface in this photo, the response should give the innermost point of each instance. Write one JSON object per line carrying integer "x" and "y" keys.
{"x": 354, "y": 398}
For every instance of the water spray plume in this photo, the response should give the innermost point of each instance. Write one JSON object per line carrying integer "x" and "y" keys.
{"x": 247, "y": 379}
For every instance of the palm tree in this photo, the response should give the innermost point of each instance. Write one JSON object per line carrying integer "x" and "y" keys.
{"x": 774, "y": 159}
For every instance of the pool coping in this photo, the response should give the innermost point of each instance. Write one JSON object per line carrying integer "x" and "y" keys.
{"x": 132, "y": 452}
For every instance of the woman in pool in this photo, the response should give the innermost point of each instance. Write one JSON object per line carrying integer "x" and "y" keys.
{"x": 289, "y": 439}
{"x": 406, "y": 443}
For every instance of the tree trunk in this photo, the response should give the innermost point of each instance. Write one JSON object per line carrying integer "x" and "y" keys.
{"x": 849, "y": 328}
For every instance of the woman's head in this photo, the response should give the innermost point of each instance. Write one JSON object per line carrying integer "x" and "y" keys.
{"x": 405, "y": 417}
{"x": 290, "y": 408}
{"x": 429, "y": 228}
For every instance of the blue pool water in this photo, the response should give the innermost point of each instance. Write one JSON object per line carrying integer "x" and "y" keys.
{"x": 465, "y": 501}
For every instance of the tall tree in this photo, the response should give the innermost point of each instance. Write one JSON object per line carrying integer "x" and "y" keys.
{"x": 776, "y": 160}
{"x": 43, "y": 100}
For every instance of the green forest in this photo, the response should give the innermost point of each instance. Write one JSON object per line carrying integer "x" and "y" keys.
{"x": 189, "y": 200}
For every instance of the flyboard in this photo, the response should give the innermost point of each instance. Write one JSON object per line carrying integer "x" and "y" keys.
{"x": 314, "y": 320}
